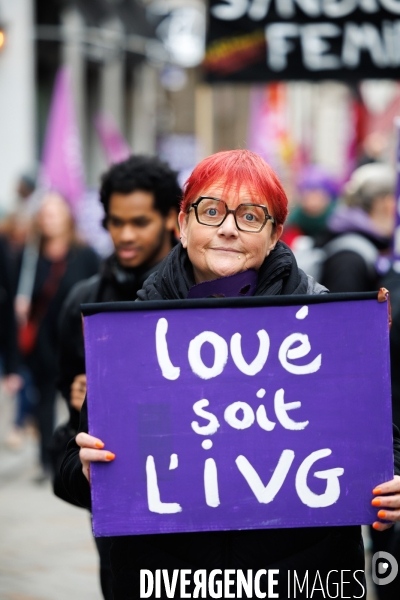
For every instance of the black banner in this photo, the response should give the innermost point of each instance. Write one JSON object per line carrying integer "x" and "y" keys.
{"x": 264, "y": 40}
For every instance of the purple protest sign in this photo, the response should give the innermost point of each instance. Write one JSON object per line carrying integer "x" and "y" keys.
{"x": 238, "y": 417}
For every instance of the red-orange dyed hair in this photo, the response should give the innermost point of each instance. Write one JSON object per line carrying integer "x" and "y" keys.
{"x": 236, "y": 168}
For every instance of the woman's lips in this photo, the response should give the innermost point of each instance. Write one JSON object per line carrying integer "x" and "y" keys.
{"x": 227, "y": 250}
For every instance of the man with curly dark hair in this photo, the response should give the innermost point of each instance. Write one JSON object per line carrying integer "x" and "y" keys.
{"x": 143, "y": 191}
{"x": 141, "y": 199}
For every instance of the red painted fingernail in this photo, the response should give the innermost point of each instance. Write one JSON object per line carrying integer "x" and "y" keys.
{"x": 381, "y": 514}
{"x": 110, "y": 456}
{"x": 376, "y": 502}
{"x": 375, "y": 525}
{"x": 377, "y": 491}
{"x": 99, "y": 445}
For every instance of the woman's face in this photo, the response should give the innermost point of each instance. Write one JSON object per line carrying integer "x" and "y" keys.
{"x": 54, "y": 217}
{"x": 221, "y": 251}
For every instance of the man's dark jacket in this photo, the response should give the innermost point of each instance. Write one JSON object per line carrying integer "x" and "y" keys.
{"x": 111, "y": 284}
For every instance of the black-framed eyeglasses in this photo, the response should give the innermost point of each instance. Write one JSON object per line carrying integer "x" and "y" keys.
{"x": 212, "y": 212}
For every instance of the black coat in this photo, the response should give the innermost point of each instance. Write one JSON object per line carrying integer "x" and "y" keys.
{"x": 314, "y": 549}
{"x": 111, "y": 284}
{"x": 8, "y": 328}
{"x": 347, "y": 271}
{"x": 352, "y": 267}
{"x": 81, "y": 262}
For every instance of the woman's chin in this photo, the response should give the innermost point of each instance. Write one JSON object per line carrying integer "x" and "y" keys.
{"x": 216, "y": 269}
{"x": 227, "y": 270}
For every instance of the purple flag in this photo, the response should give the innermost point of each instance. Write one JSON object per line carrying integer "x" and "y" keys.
{"x": 115, "y": 147}
{"x": 241, "y": 417}
{"x": 62, "y": 164}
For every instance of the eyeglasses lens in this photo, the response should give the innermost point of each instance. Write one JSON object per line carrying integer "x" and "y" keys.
{"x": 211, "y": 211}
{"x": 250, "y": 218}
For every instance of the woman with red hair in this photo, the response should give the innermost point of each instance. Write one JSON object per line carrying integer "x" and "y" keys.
{"x": 232, "y": 215}
{"x": 231, "y": 219}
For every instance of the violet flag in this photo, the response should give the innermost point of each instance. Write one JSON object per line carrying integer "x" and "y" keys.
{"x": 62, "y": 163}
{"x": 115, "y": 147}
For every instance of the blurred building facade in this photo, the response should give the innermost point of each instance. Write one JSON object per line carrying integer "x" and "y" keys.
{"x": 138, "y": 61}
{"x": 115, "y": 58}
{"x": 17, "y": 95}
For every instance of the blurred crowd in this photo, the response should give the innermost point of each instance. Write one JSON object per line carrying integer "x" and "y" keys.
{"x": 341, "y": 234}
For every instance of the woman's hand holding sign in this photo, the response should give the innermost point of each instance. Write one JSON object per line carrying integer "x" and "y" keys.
{"x": 391, "y": 502}
{"x": 91, "y": 450}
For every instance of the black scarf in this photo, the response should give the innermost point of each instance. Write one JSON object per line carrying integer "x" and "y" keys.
{"x": 119, "y": 283}
{"x": 278, "y": 275}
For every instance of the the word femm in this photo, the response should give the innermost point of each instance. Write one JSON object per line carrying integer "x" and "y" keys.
{"x": 240, "y": 415}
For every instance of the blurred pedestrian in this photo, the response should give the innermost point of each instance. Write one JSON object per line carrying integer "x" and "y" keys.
{"x": 360, "y": 231}
{"x": 317, "y": 192}
{"x": 141, "y": 198}
{"x": 17, "y": 229}
{"x": 9, "y": 356}
{"x": 373, "y": 148}
{"x": 62, "y": 261}
{"x": 16, "y": 225}
{"x": 307, "y": 220}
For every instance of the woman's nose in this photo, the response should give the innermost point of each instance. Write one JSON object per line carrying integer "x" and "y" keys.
{"x": 228, "y": 227}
